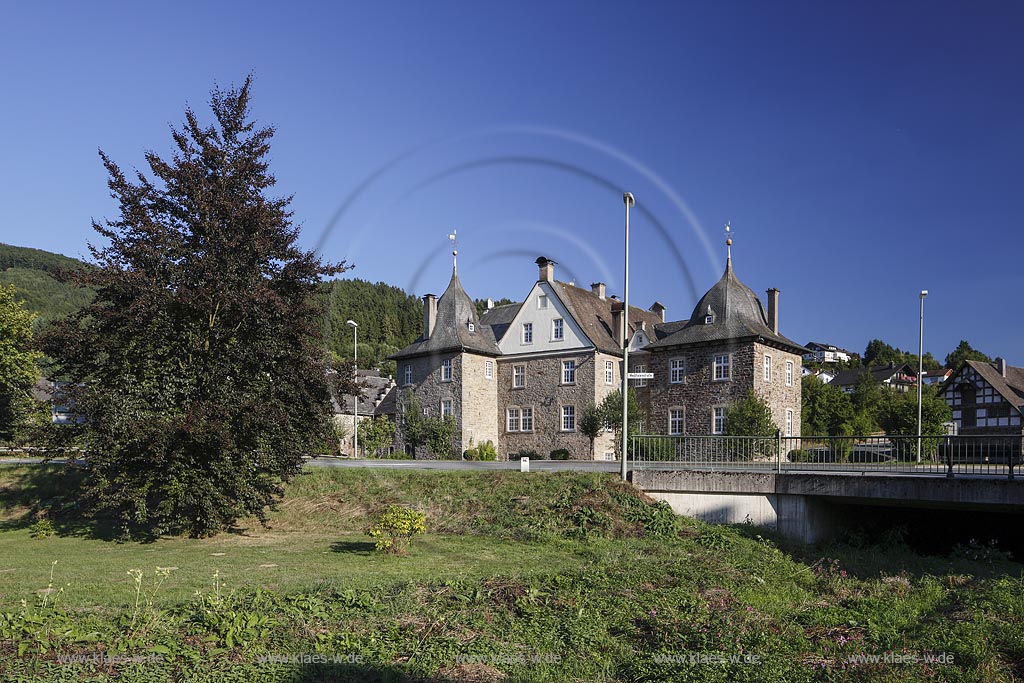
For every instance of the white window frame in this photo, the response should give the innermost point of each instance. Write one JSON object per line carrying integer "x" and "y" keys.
{"x": 557, "y": 330}
{"x": 718, "y": 420}
{"x": 488, "y": 369}
{"x": 568, "y": 414}
{"x": 676, "y": 370}
{"x": 789, "y": 373}
{"x": 527, "y": 333}
{"x": 472, "y": 327}
{"x": 639, "y": 382}
{"x": 723, "y": 362}
{"x": 569, "y": 371}
{"x": 767, "y": 368}
{"x": 446, "y": 408}
{"x": 526, "y": 419}
{"x": 512, "y": 416}
{"x": 408, "y": 375}
{"x": 542, "y": 302}
{"x": 679, "y": 427}
{"x": 609, "y": 372}
{"x": 789, "y": 422}
{"x": 518, "y": 376}
{"x": 446, "y": 370}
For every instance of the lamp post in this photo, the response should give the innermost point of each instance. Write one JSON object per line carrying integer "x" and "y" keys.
{"x": 920, "y": 369}
{"x": 355, "y": 378}
{"x": 628, "y": 200}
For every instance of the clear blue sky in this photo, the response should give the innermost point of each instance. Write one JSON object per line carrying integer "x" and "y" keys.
{"x": 862, "y": 151}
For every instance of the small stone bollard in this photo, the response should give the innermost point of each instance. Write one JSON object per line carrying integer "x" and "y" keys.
{"x": 524, "y": 464}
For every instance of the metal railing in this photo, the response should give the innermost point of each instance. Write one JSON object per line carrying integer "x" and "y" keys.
{"x": 950, "y": 456}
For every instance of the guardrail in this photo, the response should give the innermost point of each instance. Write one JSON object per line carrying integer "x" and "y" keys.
{"x": 928, "y": 455}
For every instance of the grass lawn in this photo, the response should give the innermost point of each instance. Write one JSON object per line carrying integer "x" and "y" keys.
{"x": 538, "y": 577}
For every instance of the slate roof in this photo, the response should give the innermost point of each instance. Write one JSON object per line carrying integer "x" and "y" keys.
{"x": 738, "y": 315}
{"x": 375, "y": 389}
{"x": 881, "y": 373}
{"x": 455, "y": 310}
{"x": 499, "y": 318}
{"x": 594, "y": 315}
{"x": 1010, "y": 387}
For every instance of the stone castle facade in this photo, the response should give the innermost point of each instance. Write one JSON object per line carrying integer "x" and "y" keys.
{"x": 522, "y": 375}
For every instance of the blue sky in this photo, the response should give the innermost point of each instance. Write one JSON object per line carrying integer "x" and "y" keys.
{"x": 862, "y": 151}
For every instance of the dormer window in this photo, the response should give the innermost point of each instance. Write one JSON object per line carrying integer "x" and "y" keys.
{"x": 708, "y": 319}
{"x": 472, "y": 327}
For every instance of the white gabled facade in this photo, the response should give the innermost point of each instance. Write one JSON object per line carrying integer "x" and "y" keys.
{"x": 545, "y": 315}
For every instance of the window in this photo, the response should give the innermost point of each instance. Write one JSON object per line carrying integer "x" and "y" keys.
{"x": 708, "y": 319}
{"x": 568, "y": 418}
{"x": 446, "y": 407}
{"x": 488, "y": 369}
{"x": 527, "y": 421}
{"x": 472, "y": 327}
{"x": 789, "y": 423}
{"x": 518, "y": 376}
{"x": 676, "y": 371}
{"x": 718, "y": 420}
{"x": 789, "y": 373}
{"x": 767, "y": 368}
{"x": 513, "y": 420}
{"x": 446, "y": 370}
{"x": 609, "y": 372}
{"x": 640, "y": 382}
{"x": 527, "y": 333}
{"x": 568, "y": 372}
{"x": 722, "y": 371}
{"x": 542, "y": 301}
{"x": 676, "y": 421}
{"x": 557, "y": 329}
{"x": 408, "y": 374}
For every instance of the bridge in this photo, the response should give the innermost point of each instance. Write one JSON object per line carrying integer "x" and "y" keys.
{"x": 802, "y": 487}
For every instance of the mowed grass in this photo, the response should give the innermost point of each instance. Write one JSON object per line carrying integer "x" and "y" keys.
{"x": 578, "y": 571}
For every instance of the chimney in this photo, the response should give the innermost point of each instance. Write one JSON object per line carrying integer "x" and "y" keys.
{"x": 599, "y": 289}
{"x": 773, "y": 310}
{"x": 658, "y": 309}
{"x": 547, "y": 269}
{"x": 1001, "y": 366}
{"x": 429, "y": 315}
{"x": 618, "y": 323}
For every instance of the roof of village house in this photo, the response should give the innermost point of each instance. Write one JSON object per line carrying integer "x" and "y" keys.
{"x": 736, "y": 313}
{"x": 1010, "y": 387}
{"x": 455, "y": 312}
{"x": 374, "y": 390}
{"x": 499, "y": 318}
{"x": 594, "y": 315}
{"x": 881, "y": 373}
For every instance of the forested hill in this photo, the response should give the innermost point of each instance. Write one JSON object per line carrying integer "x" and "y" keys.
{"x": 33, "y": 272}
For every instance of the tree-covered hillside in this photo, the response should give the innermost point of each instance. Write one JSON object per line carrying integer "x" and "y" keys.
{"x": 35, "y": 275}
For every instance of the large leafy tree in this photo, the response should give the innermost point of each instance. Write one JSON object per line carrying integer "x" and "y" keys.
{"x": 964, "y": 351}
{"x": 750, "y": 416}
{"x": 18, "y": 357}
{"x": 200, "y": 363}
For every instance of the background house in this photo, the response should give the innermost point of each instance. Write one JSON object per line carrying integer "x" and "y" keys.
{"x": 986, "y": 398}
{"x": 825, "y": 353}
{"x": 896, "y": 377}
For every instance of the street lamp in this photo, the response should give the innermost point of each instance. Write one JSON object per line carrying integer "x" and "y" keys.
{"x": 355, "y": 377}
{"x": 920, "y": 369}
{"x": 628, "y": 200}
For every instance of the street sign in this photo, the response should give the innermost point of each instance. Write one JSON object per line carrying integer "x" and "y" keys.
{"x": 640, "y": 375}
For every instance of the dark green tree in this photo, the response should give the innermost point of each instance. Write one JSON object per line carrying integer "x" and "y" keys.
{"x": 611, "y": 409}
{"x": 749, "y": 416}
{"x": 879, "y": 353}
{"x": 18, "y": 358}
{"x": 376, "y": 435}
{"x": 962, "y": 352}
{"x": 826, "y": 410}
{"x": 415, "y": 429}
{"x": 591, "y": 424}
{"x": 200, "y": 363}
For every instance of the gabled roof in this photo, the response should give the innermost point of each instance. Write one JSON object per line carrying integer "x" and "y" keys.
{"x": 1011, "y": 387}
{"x": 737, "y": 314}
{"x": 594, "y": 315}
{"x": 455, "y": 312}
{"x": 499, "y": 318}
{"x": 881, "y": 373}
{"x": 374, "y": 388}
{"x": 815, "y": 346}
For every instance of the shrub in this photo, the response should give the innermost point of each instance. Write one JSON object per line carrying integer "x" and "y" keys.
{"x": 396, "y": 527}
{"x": 485, "y": 452}
{"x": 560, "y": 454}
{"x": 525, "y": 453}
{"x": 42, "y": 529}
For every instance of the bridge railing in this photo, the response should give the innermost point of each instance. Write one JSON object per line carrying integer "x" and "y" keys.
{"x": 952, "y": 456}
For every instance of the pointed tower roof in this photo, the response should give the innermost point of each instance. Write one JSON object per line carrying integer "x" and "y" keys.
{"x": 729, "y": 311}
{"x": 457, "y": 327}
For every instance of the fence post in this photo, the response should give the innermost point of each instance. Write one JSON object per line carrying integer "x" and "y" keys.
{"x": 949, "y": 457}
{"x": 778, "y": 451}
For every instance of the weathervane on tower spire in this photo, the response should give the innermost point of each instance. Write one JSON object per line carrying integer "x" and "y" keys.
{"x": 728, "y": 240}
{"x": 455, "y": 253}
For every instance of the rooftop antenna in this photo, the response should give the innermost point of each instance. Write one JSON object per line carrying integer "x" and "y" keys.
{"x": 455, "y": 253}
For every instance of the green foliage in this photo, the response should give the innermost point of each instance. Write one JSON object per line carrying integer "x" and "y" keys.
{"x": 560, "y": 454}
{"x": 481, "y": 305}
{"x": 879, "y": 353}
{"x": 826, "y": 409}
{"x": 42, "y": 528}
{"x": 591, "y": 423}
{"x": 40, "y": 278}
{"x": 396, "y": 527}
{"x": 376, "y": 435}
{"x": 897, "y": 415}
{"x": 749, "y": 416}
{"x": 415, "y": 429}
{"x": 441, "y": 436}
{"x": 525, "y": 453}
{"x": 964, "y": 351}
{"x": 611, "y": 412}
{"x": 388, "y": 318}
{"x": 199, "y": 364}
{"x": 485, "y": 452}
{"x": 18, "y": 369}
